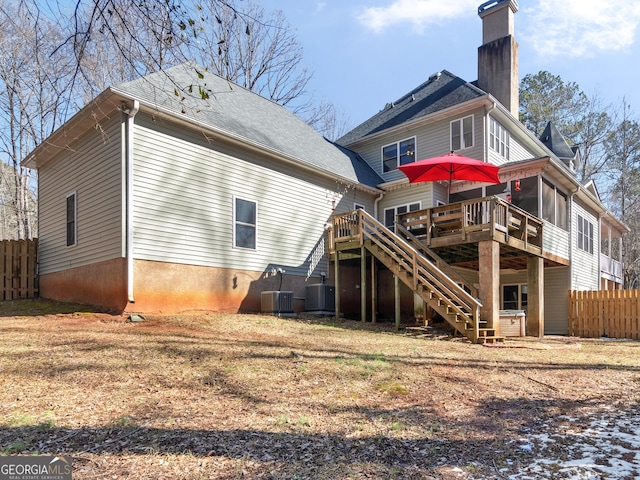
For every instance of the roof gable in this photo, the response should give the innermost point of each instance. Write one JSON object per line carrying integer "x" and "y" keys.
{"x": 211, "y": 101}
{"x": 441, "y": 91}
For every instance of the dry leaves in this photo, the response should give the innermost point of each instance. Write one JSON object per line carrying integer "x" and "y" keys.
{"x": 249, "y": 396}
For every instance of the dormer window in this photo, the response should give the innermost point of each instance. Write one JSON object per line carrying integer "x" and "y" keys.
{"x": 462, "y": 133}
{"x": 399, "y": 153}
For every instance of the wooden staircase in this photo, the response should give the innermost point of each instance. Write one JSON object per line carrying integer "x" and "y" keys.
{"x": 420, "y": 269}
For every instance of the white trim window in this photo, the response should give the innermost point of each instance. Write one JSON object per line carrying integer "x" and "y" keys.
{"x": 390, "y": 213}
{"x": 514, "y": 297}
{"x": 585, "y": 234}
{"x": 399, "y": 153}
{"x": 461, "y": 133}
{"x": 245, "y": 223}
{"x": 72, "y": 219}
{"x": 499, "y": 139}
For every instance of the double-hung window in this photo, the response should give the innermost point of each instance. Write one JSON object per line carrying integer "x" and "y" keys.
{"x": 71, "y": 219}
{"x": 245, "y": 215}
{"x": 399, "y": 153}
{"x": 585, "y": 234}
{"x": 499, "y": 139}
{"x": 390, "y": 214}
{"x": 462, "y": 133}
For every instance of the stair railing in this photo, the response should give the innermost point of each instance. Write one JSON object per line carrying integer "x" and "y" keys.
{"x": 437, "y": 260}
{"x": 360, "y": 226}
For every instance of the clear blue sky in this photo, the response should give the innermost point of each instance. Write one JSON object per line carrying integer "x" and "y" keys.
{"x": 365, "y": 53}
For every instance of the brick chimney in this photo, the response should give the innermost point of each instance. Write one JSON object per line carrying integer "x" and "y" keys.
{"x": 498, "y": 55}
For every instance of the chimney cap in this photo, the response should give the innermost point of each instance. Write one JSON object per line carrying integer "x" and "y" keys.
{"x": 494, "y": 3}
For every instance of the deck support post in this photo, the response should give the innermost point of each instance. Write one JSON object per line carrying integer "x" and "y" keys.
{"x": 336, "y": 265}
{"x": 374, "y": 290}
{"x": 489, "y": 277}
{"x": 396, "y": 291}
{"x": 363, "y": 284}
{"x": 535, "y": 297}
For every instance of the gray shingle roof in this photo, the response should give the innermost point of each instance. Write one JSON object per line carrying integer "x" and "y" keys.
{"x": 246, "y": 115}
{"x": 555, "y": 141}
{"x": 442, "y": 90}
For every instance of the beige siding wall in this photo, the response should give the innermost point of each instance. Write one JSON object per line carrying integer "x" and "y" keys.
{"x": 92, "y": 168}
{"x": 555, "y": 240}
{"x": 519, "y": 152}
{"x": 584, "y": 265}
{"x": 414, "y": 193}
{"x": 556, "y": 305}
{"x": 556, "y": 297}
{"x": 431, "y": 140}
{"x": 183, "y": 205}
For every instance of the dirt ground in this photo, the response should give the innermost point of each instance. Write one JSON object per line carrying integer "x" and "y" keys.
{"x": 220, "y": 396}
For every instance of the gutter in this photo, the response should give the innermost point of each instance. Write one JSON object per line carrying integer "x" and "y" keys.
{"x": 131, "y": 113}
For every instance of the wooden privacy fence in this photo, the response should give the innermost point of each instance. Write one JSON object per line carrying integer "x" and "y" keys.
{"x": 611, "y": 313}
{"x": 19, "y": 269}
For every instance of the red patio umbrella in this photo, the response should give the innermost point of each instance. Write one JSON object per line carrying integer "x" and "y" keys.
{"x": 450, "y": 167}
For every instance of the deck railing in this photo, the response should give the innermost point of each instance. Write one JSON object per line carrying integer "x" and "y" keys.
{"x": 488, "y": 214}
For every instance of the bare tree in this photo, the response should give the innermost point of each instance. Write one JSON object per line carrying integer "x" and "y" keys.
{"x": 584, "y": 120}
{"x": 32, "y": 82}
{"x": 623, "y": 167}
{"x": 592, "y": 128}
{"x": 257, "y": 51}
{"x": 131, "y": 41}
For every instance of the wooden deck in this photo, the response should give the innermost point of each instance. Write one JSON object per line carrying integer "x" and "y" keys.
{"x": 454, "y": 230}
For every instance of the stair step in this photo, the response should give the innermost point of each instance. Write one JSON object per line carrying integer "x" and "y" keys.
{"x": 485, "y": 331}
{"x": 492, "y": 339}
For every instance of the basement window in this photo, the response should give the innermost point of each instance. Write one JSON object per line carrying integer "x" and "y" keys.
{"x": 514, "y": 297}
{"x": 71, "y": 220}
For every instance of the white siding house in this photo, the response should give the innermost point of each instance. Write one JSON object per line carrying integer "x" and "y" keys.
{"x": 152, "y": 201}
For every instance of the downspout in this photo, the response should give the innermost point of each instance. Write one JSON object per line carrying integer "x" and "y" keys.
{"x": 131, "y": 113}
{"x": 375, "y": 205}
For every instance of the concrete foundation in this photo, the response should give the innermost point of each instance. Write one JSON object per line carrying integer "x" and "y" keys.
{"x": 169, "y": 288}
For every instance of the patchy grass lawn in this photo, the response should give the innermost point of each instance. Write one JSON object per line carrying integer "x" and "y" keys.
{"x": 248, "y": 396}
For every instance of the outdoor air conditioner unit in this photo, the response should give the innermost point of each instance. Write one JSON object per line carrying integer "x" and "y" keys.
{"x": 320, "y": 297}
{"x": 277, "y": 302}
